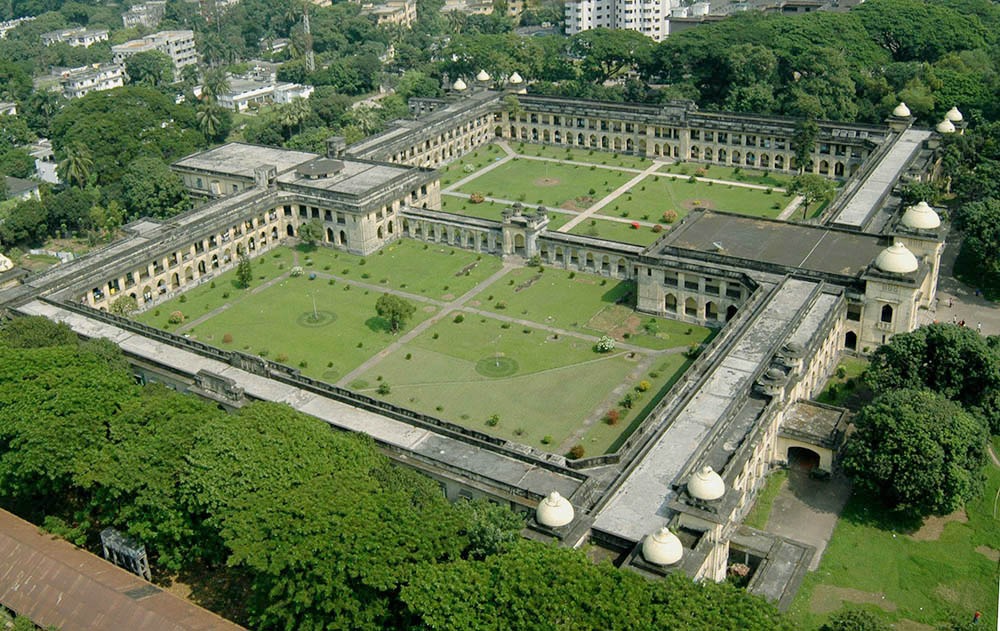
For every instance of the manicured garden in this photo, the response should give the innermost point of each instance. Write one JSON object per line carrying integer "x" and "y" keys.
{"x": 589, "y": 156}
{"x": 730, "y": 174}
{"x": 315, "y": 309}
{"x": 625, "y": 232}
{"x": 657, "y": 194}
{"x": 558, "y": 185}
{"x": 469, "y": 164}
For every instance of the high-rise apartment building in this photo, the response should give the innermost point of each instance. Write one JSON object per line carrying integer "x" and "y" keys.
{"x": 178, "y": 45}
{"x": 649, "y": 17}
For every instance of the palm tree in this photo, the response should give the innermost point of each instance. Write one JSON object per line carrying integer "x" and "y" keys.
{"x": 77, "y": 165}
{"x": 209, "y": 118}
{"x": 295, "y": 113}
{"x": 215, "y": 83}
{"x": 366, "y": 119}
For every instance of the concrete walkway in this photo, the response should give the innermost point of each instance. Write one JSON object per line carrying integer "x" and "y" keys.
{"x": 957, "y": 301}
{"x": 791, "y": 208}
{"x": 806, "y": 510}
{"x": 610, "y": 197}
{"x": 443, "y": 311}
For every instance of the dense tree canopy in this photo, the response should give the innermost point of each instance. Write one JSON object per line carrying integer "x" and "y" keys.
{"x": 321, "y": 527}
{"x": 953, "y": 361}
{"x": 918, "y": 452}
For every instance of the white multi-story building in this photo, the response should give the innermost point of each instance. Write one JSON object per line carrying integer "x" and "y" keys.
{"x": 246, "y": 93}
{"x": 76, "y": 36}
{"x": 649, "y": 17}
{"x": 9, "y": 25}
{"x": 178, "y": 45}
{"x": 78, "y": 82}
{"x": 147, "y": 14}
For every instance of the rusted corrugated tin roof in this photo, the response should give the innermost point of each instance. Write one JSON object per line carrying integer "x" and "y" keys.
{"x": 56, "y": 584}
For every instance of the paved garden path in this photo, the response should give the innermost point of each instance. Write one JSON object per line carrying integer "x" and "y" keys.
{"x": 791, "y": 208}
{"x": 445, "y": 309}
{"x": 806, "y": 510}
{"x": 610, "y": 197}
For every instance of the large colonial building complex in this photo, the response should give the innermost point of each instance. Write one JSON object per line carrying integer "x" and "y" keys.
{"x": 786, "y": 297}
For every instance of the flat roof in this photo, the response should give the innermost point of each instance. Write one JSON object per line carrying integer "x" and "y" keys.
{"x": 867, "y": 199}
{"x": 59, "y": 585}
{"x": 640, "y": 504}
{"x": 239, "y": 159}
{"x": 355, "y": 178}
{"x": 816, "y": 248}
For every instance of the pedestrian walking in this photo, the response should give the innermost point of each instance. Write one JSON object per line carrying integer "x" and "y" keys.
{"x": 979, "y": 327}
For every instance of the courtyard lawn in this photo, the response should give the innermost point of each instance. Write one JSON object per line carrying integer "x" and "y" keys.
{"x": 218, "y": 291}
{"x": 657, "y": 194}
{"x": 616, "y": 231}
{"x": 276, "y": 322}
{"x": 431, "y": 269}
{"x": 761, "y": 511}
{"x": 847, "y": 390}
{"x": 930, "y": 576}
{"x": 469, "y": 164}
{"x": 466, "y": 372}
{"x": 462, "y": 206}
{"x": 559, "y": 219}
{"x": 602, "y": 437}
{"x": 730, "y": 174}
{"x": 585, "y": 303}
{"x": 588, "y": 156}
{"x": 574, "y": 187}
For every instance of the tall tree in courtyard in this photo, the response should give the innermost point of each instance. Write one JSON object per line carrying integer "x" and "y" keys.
{"x": 812, "y": 188}
{"x": 394, "y": 309}
{"x": 244, "y": 271}
{"x": 918, "y": 452}
{"x": 311, "y": 231}
{"x": 76, "y": 167}
{"x": 210, "y": 120}
{"x": 804, "y": 143}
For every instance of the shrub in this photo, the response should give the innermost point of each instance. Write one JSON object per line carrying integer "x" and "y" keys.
{"x": 692, "y": 180}
{"x": 577, "y": 451}
{"x": 493, "y": 420}
{"x": 182, "y": 299}
{"x": 227, "y": 338}
{"x": 841, "y": 371}
{"x": 519, "y": 431}
{"x": 572, "y": 274}
{"x": 505, "y": 325}
{"x": 500, "y": 306}
{"x": 669, "y": 216}
{"x": 477, "y": 198}
{"x": 176, "y": 317}
{"x": 643, "y": 386}
{"x": 384, "y": 388}
{"x": 693, "y": 351}
{"x": 605, "y": 344}
{"x": 361, "y": 262}
{"x": 303, "y": 364}
{"x": 264, "y": 352}
{"x": 296, "y": 271}
{"x": 211, "y": 285}
{"x": 459, "y": 319}
{"x": 409, "y": 356}
{"x": 627, "y": 401}
{"x": 546, "y": 439}
{"x": 281, "y": 357}
{"x": 435, "y": 336}
{"x": 612, "y": 417}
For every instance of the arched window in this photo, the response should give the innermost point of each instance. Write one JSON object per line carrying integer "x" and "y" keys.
{"x": 887, "y": 313}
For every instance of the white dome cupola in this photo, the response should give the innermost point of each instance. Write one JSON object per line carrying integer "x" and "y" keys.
{"x": 921, "y": 217}
{"x": 945, "y": 127}
{"x": 901, "y": 111}
{"x": 954, "y": 115}
{"x": 706, "y": 484}
{"x": 459, "y": 85}
{"x": 662, "y": 547}
{"x": 554, "y": 511}
{"x": 896, "y": 259}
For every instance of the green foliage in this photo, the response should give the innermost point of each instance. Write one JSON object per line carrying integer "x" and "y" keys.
{"x": 244, "y": 271}
{"x": 953, "y": 361}
{"x": 917, "y": 451}
{"x": 151, "y": 69}
{"x": 813, "y": 188}
{"x": 536, "y": 586}
{"x": 980, "y": 221}
{"x": 35, "y": 332}
{"x": 311, "y": 231}
{"x": 394, "y": 309}
{"x": 124, "y": 305}
{"x": 151, "y": 189}
{"x": 855, "y": 620}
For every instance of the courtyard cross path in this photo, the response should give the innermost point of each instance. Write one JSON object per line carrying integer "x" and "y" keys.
{"x": 443, "y": 312}
{"x": 486, "y": 169}
{"x": 610, "y": 197}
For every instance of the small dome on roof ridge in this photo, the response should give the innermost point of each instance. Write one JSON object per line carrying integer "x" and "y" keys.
{"x": 706, "y": 484}
{"x": 482, "y": 76}
{"x": 516, "y": 78}
{"x": 954, "y": 115}
{"x": 896, "y": 259}
{"x": 554, "y": 511}
{"x": 459, "y": 85}
{"x": 901, "y": 111}
{"x": 945, "y": 127}
{"x": 921, "y": 217}
{"x": 662, "y": 547}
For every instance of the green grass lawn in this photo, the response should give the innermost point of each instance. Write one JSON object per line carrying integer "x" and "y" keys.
{"x": 616, "y": 231}
{"x": 926, "y": 580}
{"x": 559, "y": 219}
{"x": 548, "y": 183}
{"x": 441, "y": 378}
{"x": 584, "y": 303}
{"x": 589, "y": 156}
{"x": 469, "y": 164}
{"x": 657, "y": 194}
{"x": 758, "y": 515}
{"x": 730, "y": 174}
{"x": 430, "y": 269}
{"x": 844, "y": 388}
